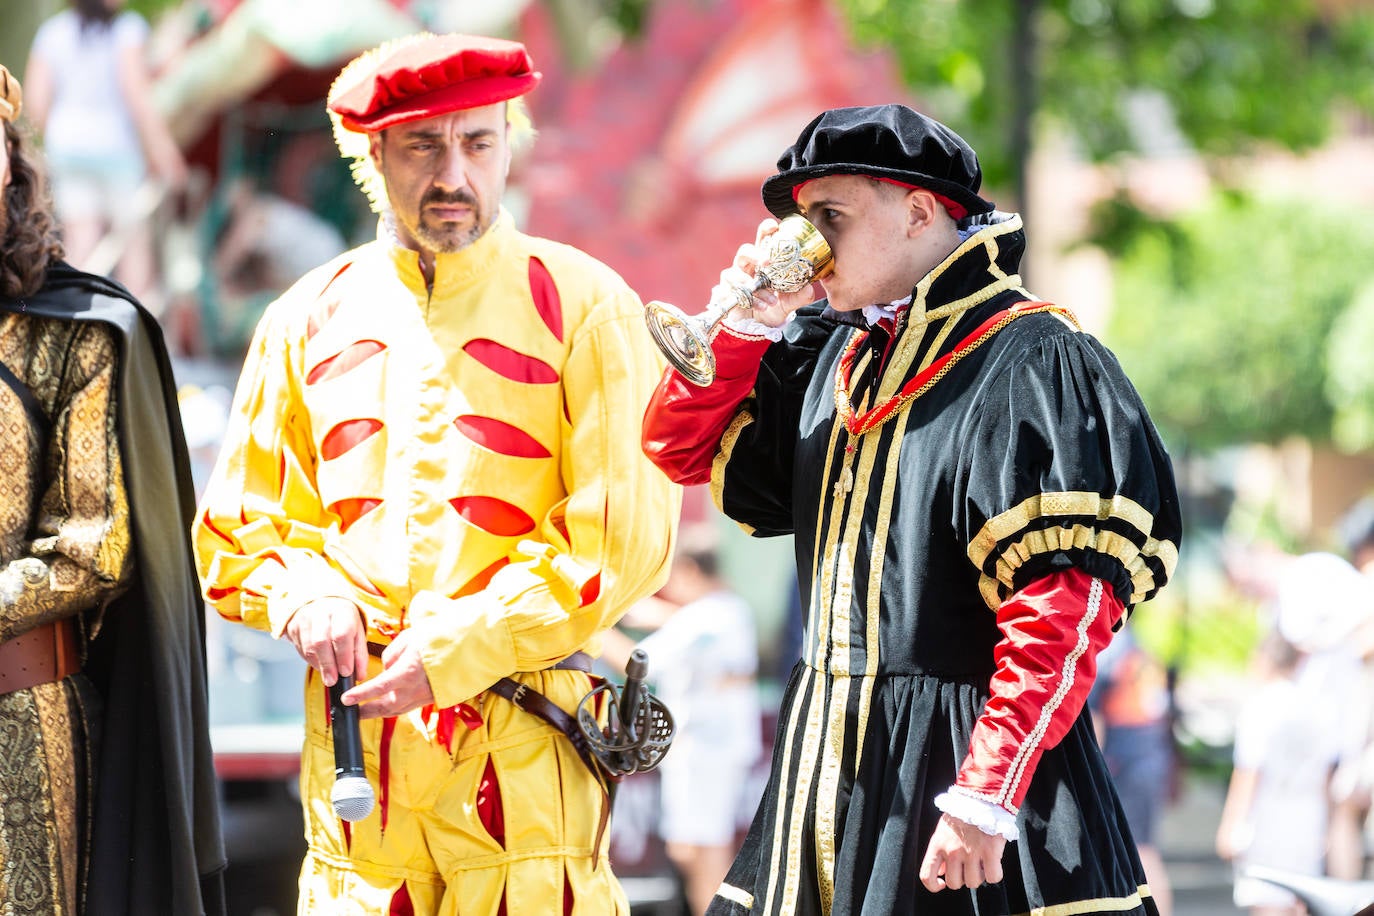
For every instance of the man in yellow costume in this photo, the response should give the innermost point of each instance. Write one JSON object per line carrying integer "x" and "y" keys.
{"x": 433, "y": 479}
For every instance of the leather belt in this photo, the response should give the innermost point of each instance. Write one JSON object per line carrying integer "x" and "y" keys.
{"x": 535, "y": 703}
{"x": 46, "y": 653}
{"x": 578, "y": 661}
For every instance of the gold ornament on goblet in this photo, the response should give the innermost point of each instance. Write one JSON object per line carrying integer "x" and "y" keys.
{"x": 794, "y": 256}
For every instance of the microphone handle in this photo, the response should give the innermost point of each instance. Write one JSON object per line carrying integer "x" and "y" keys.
{"x": 348, "y": 738}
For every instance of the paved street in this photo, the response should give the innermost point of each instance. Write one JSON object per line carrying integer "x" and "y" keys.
{"x": 1202, "y": 882}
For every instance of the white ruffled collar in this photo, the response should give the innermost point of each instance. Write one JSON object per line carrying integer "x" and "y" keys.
{"x": 876, "y": 313}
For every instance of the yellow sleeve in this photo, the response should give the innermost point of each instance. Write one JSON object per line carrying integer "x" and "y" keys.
{"x": 259, "y": 533}
{"x": 596, "y": 552}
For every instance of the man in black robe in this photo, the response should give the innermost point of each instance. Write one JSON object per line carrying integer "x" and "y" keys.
{"x": 978, "y": 497}
{"x": 106, "y": 777}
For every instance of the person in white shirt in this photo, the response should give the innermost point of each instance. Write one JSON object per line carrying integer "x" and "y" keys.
{"x": 703, "y": 661}
{"x": 1295, "y": 727}
{"x": 87, "y": 86}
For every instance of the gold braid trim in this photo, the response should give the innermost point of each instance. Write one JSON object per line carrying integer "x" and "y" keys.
{"x": 727, "y": 446}
{"x": 1097, "y": 905}
{"x": 1079, "y": 536}
{"x": 880, "y": 413}
{"x": 736, "y": 895}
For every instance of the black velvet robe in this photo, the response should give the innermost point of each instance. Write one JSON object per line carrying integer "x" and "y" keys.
{"x": 1031, "y": 454}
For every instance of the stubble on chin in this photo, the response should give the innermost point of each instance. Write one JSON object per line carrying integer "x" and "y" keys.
{"x": 448, "y": 242}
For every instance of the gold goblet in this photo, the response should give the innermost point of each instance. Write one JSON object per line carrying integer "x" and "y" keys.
{"x": 794, "y": 256}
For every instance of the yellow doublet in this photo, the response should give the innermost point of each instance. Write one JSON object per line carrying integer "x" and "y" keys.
{"x": 464, "y": 462}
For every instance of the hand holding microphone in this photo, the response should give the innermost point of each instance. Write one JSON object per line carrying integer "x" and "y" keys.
{"x": 323, "y": 632}
{"x": 352, "y": 796}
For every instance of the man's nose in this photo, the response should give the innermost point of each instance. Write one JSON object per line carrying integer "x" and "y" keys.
{"x": 453, "y": 172}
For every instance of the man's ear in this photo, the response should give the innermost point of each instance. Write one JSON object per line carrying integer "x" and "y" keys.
{"x": 922, "y": 210}
{"x": 374, "y": 147}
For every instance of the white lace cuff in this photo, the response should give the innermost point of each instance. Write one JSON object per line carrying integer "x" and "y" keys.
{"x": 745, "y": 324}
{"x": 994, "y": 820}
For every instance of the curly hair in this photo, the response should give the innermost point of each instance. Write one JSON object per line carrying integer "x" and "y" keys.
{"x": 30, "y": 241}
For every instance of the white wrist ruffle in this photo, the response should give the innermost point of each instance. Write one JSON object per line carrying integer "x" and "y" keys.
{"x": 994, "y": 820}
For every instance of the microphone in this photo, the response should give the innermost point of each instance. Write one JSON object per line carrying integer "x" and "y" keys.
{"x": 352, "y": 795}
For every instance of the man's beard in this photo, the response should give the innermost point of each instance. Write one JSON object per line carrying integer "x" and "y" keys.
{"x": 449, "y": 241}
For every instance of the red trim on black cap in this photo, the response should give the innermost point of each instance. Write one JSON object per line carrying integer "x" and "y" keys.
{"x": 957, "y": 211}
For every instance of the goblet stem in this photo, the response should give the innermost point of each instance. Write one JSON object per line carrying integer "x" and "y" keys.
{"x": 743, "y": 298}
{"x": 709, "y": 331}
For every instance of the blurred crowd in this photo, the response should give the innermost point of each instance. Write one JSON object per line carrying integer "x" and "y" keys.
{"x": 702, "y": 645}
{"x": 1299, "y": 794}
{"x": 207, "y": 218}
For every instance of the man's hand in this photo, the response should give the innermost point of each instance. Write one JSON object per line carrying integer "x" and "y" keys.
{"x": 770, "y": 306}
{"x": 402, "y": 686}
{"x": 330, "y": 635}
{"x": 960, "y": 855}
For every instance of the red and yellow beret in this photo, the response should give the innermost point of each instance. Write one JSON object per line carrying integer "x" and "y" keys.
{"x": 435, "y": 75}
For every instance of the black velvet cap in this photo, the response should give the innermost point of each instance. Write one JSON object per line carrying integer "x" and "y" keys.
{"x": 884, "y": 141}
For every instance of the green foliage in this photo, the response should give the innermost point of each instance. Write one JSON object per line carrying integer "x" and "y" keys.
{"x": 1222, "y": 317}
{"x": 1218, "y": 638}
{"x": 1350, "y": 373}
{"x": 953, "y": 55}
{"x": 1221, "y": 64}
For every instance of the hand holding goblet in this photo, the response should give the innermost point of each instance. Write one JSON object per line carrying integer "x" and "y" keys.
{"x": 795, "y": 256}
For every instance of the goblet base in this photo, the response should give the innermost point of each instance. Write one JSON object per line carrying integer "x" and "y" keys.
{"x": 683, "y": 341}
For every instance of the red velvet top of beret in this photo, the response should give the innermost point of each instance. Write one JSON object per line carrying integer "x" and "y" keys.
{"x": 434, "y": 76}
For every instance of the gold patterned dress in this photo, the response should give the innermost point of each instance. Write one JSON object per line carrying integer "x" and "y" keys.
{"x": 64, "y": 553}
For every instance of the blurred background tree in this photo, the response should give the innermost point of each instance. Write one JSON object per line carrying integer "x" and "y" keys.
{"x": 1122, "y": 76}
{"x": 1252, "y": 331}
{"x": 1350, "y": 370}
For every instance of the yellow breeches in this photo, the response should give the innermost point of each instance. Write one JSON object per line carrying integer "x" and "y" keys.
{"x": 444, "y": 849}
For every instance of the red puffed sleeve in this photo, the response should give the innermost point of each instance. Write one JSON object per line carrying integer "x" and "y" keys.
{"x": 1053, "y": 630}
{"x": 684, "y": 423}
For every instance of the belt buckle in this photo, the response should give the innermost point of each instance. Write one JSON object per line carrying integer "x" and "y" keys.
{"x": 518, "y": 697}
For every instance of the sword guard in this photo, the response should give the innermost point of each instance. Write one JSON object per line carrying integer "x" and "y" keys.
{"x": 639, "y": 728}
